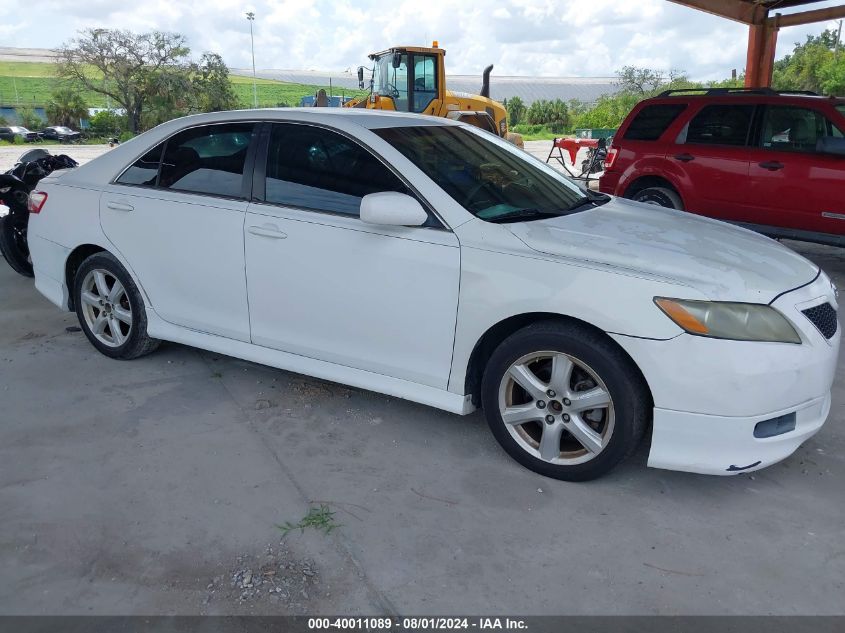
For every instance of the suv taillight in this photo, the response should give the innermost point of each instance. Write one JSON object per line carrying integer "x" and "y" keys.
{"x": 610, "y": 158}
{"x": 36, "y": 201}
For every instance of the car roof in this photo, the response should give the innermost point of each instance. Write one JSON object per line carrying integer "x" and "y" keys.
{"x": 749, "y": 96}
{"x": 370, "y": 119}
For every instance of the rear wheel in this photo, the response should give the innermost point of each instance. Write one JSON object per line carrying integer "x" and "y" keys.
{"x": 564, "y": 400}
{"x": 659, "y": 196}
{"x": 110, "y": 308}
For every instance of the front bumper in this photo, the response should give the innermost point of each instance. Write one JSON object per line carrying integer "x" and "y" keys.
{"x": 709, "y": 395}
{"x": 718, "y": 445}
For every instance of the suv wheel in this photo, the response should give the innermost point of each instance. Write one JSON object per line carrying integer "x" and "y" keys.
{"x": 659, "y": 196}
{"x": 564, "y": 401}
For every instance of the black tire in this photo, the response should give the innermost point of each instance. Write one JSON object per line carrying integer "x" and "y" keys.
{"x": 631, "y": 399}
{"x": 659, "y": 196}
{"x": 13, "y": 243}
{"x": 137, "y": 342}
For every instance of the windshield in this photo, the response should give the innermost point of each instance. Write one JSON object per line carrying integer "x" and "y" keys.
{"x": 488, "y": 177}
{"x": 392, "y": 82}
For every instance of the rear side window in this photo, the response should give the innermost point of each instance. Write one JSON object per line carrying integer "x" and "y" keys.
{"x": 721, "y": 125}
{"x": 208, "y": 159}
{"x": 314, "y": 168}
{"x": 144, "y": 170}
{"x": 650, "y": 122}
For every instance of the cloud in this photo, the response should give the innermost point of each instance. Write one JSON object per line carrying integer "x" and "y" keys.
{"x": 521, "y": 37}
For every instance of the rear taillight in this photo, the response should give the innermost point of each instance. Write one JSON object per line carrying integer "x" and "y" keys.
{"x": 36, "y": 201}
{"x": 610, "y": 158}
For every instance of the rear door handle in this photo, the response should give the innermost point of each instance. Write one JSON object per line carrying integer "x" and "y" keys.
{"x": 120, "y": 206}
{"x": 772, "y": 165}
{"x": 684, "y": 158}
{"x": 268, "y": 231}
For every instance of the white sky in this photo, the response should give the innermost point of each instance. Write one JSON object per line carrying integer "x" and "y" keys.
{"x": 521, "y": 37}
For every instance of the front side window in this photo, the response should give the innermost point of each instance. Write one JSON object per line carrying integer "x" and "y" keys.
{"x": 314, "y": 168}
{"x": 425, "y": 81}
{"x": 652, "y": 121}
{"x": 143, "y": 171}
{"x": 392, "y": 82}
{"x": 795, "y": 129}
{"x": 485, "y": 175}
{"x": 208, "y": 159}
{"x": 721, "y": 125}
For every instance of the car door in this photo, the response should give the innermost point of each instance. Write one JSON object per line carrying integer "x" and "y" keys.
{"x": 791, "y": 184}
{"x": 176, "y": 215}
{"x": 325, "y": 285}
{"x": 711, "y": 151}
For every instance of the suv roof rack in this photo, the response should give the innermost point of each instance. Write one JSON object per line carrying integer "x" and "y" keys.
{"x": 729, "y": 91}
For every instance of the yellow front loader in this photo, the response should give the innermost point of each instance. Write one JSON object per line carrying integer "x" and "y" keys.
{"x": 413, "y": 79}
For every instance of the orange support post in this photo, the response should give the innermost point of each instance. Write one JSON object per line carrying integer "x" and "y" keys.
{"x": 762, "y": 41}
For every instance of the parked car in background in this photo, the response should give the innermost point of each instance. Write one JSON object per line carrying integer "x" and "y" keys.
{"x": 61, "y": 134}
{"x": 773, "y": 161}
{"x": 429, "y": 260}
{"x": 13, "y": 132}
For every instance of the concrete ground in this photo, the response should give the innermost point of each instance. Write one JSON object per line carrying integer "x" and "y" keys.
{"x": 156, "y": 486}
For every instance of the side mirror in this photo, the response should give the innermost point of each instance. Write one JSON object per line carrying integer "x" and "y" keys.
{"x": 397, "y": 59}
{"x": 831, "y": 145}
{"x": 361, "y": 77}
{"x": 392, "y": 209}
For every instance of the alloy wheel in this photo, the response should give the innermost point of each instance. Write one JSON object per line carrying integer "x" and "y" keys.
{"x": 106, "y": 307}
{"x": 556, "y": 408}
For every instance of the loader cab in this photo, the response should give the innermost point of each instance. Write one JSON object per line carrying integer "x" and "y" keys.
{"x": 411, "y": 78}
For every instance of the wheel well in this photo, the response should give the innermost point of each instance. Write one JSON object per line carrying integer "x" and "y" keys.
{"x": 74, "y": 261}
{"x": 494, "y": 336}
{"x": 646, "y": 182}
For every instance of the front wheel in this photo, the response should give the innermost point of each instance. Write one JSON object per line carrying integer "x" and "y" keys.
{"x": 564, "y": 400}
{"x": 110, "y": 308}
{"x": 659, "y": 196}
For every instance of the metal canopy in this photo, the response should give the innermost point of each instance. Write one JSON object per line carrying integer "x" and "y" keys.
{"x": 763, "y": 27}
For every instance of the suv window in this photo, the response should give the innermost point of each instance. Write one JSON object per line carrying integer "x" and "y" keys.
{"x": 208, "y": 159}
{"x": 144, "y": 170}
{"x": 652, "y": 121}
{"x": 795, "y": 129}
{"x": 721, "y": 125}
{"x": 314, "y": 168}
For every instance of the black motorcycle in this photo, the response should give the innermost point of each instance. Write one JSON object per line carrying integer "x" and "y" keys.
{"x": 15, "y": 186}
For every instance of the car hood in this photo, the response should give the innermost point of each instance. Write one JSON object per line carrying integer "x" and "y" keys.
{"x": 725, "y": 262}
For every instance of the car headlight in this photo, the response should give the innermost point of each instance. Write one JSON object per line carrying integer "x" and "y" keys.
{"x": 503, "y": 127}
{"x": 726, "y": 320}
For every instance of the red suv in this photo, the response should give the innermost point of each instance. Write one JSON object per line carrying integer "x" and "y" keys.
{"x": 772, "y": 161}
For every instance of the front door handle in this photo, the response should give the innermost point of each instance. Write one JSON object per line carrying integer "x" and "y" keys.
{"x": 268, "y": 231}
{"x": 120, "y": 206}
{"x": 684, "y": 158}
{"x": 772, "y": 165}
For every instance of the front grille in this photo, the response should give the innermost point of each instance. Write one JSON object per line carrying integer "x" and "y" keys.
{"x": 824, "y": 318}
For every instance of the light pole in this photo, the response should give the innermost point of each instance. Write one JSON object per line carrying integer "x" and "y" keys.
{"x": 251, "y": 17}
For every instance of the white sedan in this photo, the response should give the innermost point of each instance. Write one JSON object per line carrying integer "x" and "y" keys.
{"x": 428, "y": 260}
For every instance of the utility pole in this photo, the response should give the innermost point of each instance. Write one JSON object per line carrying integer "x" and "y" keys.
{"x": 838, "y": 39}
{"x": 251, "y": 17}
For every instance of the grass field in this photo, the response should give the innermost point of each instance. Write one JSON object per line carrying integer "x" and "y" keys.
{"x": 32, "y": 84}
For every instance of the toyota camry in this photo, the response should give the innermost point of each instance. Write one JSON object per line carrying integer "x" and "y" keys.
{"x": 432, "y": 261}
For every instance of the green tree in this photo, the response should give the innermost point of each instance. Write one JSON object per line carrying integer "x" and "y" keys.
{"x": 66, "y": 107}
{"x": 516, "y": 110}
{"x": 125, "y": 66}
{"x": 210, "y": 85}
{"x": 813, "y": 65}
{"x": 107, "y": 123}
{"x": 28, "y": 118}
{"x": 552, "y": 114}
